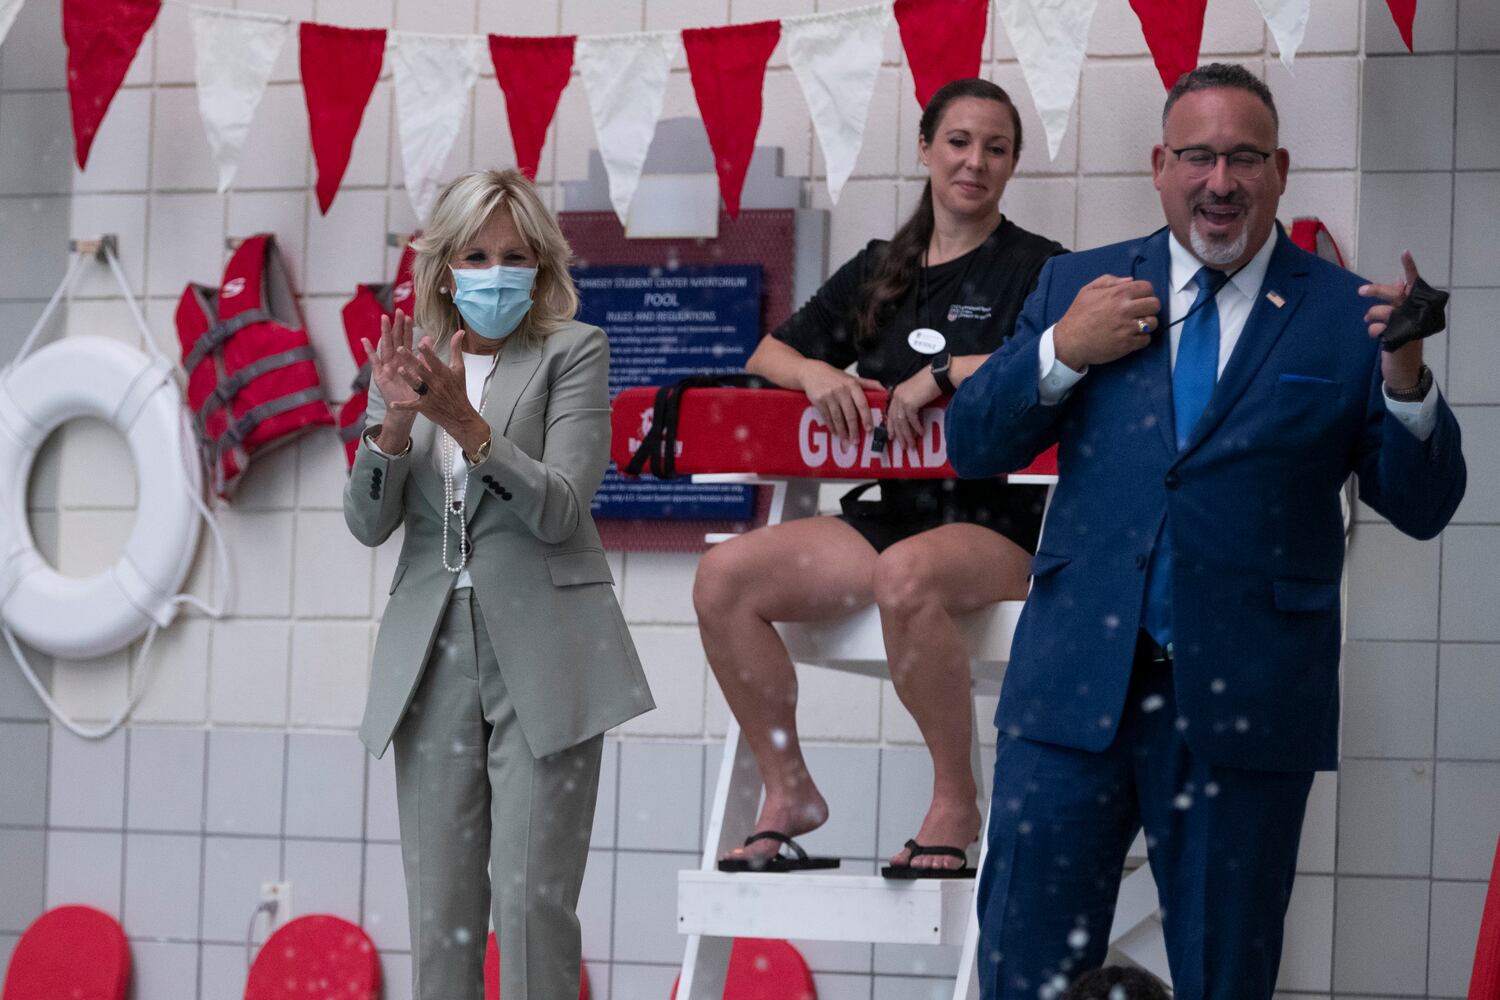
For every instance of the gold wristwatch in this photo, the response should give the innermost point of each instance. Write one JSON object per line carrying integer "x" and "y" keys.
{"x": 483, "y": 452}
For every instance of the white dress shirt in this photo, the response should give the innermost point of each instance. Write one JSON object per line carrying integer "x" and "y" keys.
{"x": 1234, "y": 301}
{"x": 477, "y": 371}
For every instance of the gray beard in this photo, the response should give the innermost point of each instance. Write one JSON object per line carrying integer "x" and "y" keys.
{"x": 1218, "y": 254}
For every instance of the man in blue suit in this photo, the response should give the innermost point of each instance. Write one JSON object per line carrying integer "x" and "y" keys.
{"x": 1210, "y": 388}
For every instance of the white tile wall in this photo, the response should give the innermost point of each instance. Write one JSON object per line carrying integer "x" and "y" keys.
{"x": 278, "y": 800}
{"x": 248, "y": 679}
{"x": 1407, "y": 90}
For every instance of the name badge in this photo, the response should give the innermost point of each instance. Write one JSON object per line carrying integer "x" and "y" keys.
{"x": 926, "y": 340}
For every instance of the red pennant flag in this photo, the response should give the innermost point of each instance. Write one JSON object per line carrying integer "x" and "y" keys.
{"x": 1403, "y": 12}
{"x": 339, "y": 70}
{"x": 943, "y": 40}
{"x": 728, "y": 66}
{"x": 102, "y": 38}
{"x": 532, "y": 73}
{"x": 1174, "y": 33}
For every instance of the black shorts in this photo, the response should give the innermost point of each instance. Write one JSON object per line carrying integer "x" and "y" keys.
{"x": 911, "y": 506}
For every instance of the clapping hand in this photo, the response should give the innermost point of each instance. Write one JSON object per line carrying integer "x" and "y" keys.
{"x": 385, "y": 369}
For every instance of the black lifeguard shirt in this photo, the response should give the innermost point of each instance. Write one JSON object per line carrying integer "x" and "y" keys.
{"x": 973, "y": 301}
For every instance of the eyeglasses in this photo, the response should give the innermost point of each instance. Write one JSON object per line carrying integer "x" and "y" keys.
{"x": 1244, "y": 164}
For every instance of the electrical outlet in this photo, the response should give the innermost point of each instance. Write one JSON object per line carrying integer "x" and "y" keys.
{"x": 279, "y": 897}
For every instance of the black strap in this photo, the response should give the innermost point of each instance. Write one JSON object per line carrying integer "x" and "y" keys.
{"x": 233, "y": 384}
{"x": 215, "y": 335}
{"x": 797, "y": 852}
{"x": 1419, "y": 315}
{"x": 658, "y": 449}
{"x": 937, "y": 851}
{"x": 245, "y": 425}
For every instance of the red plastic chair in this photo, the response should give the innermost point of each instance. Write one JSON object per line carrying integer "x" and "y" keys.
{"x": 492, "y": 973}
{"x": 317, "y": 957}
{"x": 73, "y": 952}
{"x": 1484, "y": 981}
{"x": 765, "y": 969}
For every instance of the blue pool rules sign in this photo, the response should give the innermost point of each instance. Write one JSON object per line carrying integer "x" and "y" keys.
{"x": 665, "y": 324}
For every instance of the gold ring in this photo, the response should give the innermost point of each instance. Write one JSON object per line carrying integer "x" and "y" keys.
{"x": 1143, "y": 325}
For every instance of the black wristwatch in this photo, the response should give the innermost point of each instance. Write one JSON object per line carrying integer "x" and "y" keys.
{"x": 940, "y": 365}
{"x": 1416, "y": 393}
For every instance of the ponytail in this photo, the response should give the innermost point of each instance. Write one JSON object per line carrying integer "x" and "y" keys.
{"x": 897, "y": 269}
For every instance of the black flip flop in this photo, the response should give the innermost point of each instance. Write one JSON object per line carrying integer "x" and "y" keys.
{"x": 797, "y": 861}
{"x": 906, "y": 872}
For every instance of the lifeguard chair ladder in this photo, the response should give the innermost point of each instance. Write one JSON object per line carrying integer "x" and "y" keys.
{"x": 714, "y": 907}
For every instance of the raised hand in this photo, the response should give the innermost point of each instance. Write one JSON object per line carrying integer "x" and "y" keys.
{"x": 1110, "y": 317}
{"x": 394, "y": 334}
{"x": 438, "y": 389}
{"x": 1401, "y": 368}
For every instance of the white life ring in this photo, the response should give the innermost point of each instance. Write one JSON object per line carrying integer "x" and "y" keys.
{"x": 89, "y": 376}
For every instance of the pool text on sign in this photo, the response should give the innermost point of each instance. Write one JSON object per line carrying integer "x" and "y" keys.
{"x": 665, "y": 325}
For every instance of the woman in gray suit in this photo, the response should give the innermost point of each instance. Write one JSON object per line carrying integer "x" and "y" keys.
{"x": 502, "y": 657}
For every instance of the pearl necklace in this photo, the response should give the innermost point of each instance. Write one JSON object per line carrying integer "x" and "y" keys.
{"x": 454, "y": 499}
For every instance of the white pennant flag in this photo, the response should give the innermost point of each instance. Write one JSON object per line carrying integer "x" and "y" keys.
{"x": 1049, "y": 38}
{"x": 836, "y": 58}
{"x": 434, "y": 76}
{"x": 233, "y": 55}
{"x": 625, "y": 77}
{"x": 1287, "y": 20}
{"x": 8, "y": 11}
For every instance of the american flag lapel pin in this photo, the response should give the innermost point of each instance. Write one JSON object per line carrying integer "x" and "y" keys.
{"x": 1275, "y": 298}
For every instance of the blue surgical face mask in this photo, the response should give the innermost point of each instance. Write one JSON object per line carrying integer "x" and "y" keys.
{"x": 494, "y": 300}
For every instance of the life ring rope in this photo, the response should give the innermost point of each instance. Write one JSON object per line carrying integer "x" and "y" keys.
{"x": 128, "y": 580}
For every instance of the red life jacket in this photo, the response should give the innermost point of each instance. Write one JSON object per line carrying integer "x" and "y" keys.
{"x": 252, "y": 380}
{"x": 362, "y": 322}
{"x": 1309, "y": 233}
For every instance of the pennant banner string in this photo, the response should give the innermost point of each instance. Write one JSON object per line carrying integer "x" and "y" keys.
{"x": 835, "y": 56}
{"x": 232, "y": 57}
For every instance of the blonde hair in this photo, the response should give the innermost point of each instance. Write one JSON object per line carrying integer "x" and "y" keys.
{"x": 461, "y": 209}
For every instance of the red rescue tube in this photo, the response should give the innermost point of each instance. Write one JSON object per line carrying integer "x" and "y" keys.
{"x": 778, "y": 433}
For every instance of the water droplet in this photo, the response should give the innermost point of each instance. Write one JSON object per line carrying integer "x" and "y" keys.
{"x": 1182, "y": 801}
{"x": 1242, "y": 725}
{"x": 1217, "y": 685}
{"x": 1152, "y": 702}
{"x": 779, "y": 739}
{"x": 1078, "y": 939}
{"x": 461, "y": 935}
{"x": 1211, "y": 789}
{"x": 1111, "y": 621}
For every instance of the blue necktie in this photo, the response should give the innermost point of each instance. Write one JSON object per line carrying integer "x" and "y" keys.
{"x": 1193, "y": 379}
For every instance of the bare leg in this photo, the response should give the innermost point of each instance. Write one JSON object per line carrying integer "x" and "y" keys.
{"x": 920, "y": 583}
{"x": 806, "y": 570}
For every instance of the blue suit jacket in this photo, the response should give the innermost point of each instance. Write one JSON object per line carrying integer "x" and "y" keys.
{"x": 1257, "y": 533}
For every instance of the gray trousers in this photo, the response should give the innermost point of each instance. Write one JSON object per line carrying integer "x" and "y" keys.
{"x": 470, "y": 794}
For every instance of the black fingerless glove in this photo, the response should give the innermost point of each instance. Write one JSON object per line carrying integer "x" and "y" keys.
{"x": 1420, "y": 315}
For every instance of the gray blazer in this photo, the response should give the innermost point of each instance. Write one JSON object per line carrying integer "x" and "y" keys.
{"x": 539, "y": 571}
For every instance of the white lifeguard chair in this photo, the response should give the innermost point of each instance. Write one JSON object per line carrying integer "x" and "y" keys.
{"x": 713, "y": 907}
